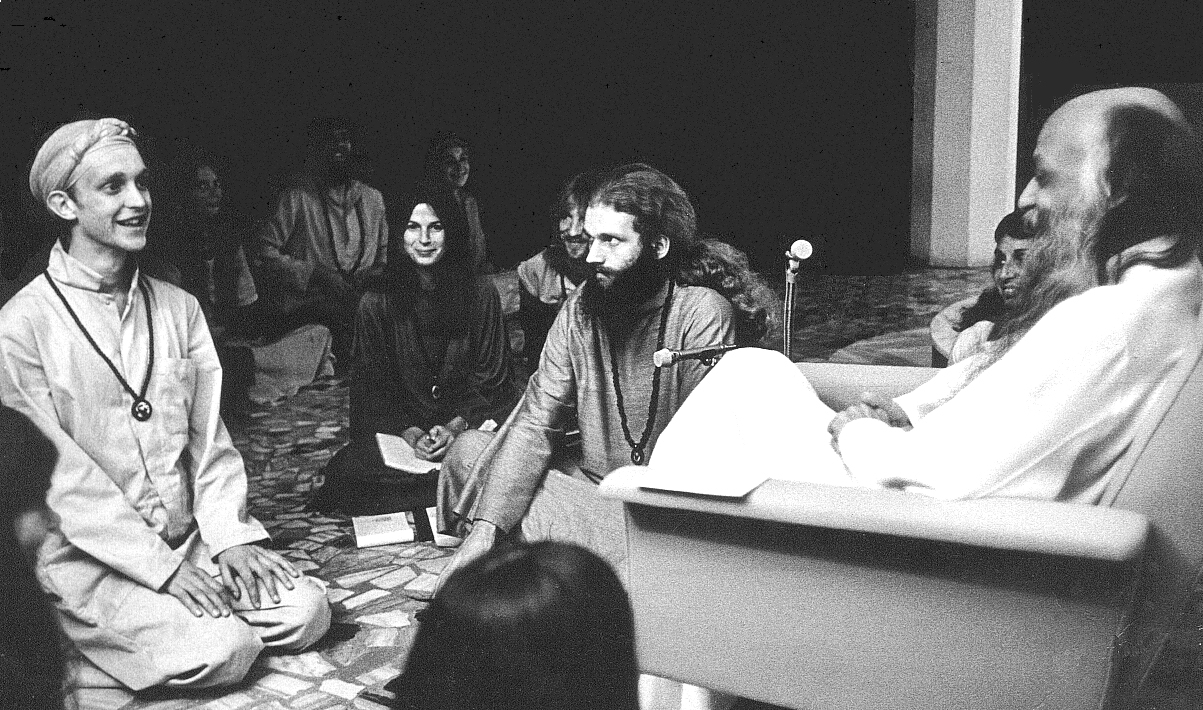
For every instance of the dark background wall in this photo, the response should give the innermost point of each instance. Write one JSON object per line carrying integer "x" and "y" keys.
{"x": 782, "y": 120}
{"x": 1070, "y": 48}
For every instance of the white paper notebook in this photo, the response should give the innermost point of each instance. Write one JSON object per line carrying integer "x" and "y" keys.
{"x": 372, "y": 530}
{"x": 729, "y": 484}
{"x": 400, "y": 455}
{"x": 440, "y": 540}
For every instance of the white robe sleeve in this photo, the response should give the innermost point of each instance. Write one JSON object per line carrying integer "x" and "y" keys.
{"x": 925, "y": 398}
{"x": 1046, "y": 419}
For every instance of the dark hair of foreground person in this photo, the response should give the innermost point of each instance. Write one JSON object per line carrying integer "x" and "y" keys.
{"x": 544, "y": 626}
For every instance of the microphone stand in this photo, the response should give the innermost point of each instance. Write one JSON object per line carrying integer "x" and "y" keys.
{"x": 791, "y": 275}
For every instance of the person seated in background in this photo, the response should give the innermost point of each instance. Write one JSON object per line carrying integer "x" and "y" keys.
{"x": 200, "y": 248}
{"x": 327, "y": 236}
{"x": 153, "y": 562}
{"x": 448, "y": 165}
{"x": 546, "y": 279}
{"x": 31, "y": 654}
{"x": 968, "y": 328}
{"x": 546, "y": 626}
{"x": 431, "y": 357}
{"x": 200, "y": 245}
{"x": 1105, "y": 328}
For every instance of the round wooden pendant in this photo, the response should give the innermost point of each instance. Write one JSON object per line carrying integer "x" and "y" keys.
{"x": 141, "y": 410}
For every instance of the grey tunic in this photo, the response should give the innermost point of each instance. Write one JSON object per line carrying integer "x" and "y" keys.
{"x": 574, "y": 378}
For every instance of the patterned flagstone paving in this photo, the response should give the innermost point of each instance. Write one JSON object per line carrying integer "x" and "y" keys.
{"x": 376, "y": 591}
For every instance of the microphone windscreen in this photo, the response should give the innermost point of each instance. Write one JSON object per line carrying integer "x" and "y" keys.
{"x": 662, "y": 357}
{"x": 801, "y": 249}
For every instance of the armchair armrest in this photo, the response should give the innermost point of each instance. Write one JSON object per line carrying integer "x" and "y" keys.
{"x": 1104, "y": 534}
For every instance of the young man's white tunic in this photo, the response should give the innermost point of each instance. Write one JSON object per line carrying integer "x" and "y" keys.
{"x": 134, "y": 499}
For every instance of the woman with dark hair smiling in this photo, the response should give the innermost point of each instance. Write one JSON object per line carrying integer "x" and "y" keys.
{"x": 541, "y": 627}
{"x": 430, "y": 357}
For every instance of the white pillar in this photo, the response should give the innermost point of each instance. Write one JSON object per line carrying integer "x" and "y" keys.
{"x": 966, "y": 119}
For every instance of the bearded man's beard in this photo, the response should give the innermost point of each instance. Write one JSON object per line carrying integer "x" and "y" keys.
{"x": 627, "y": 292}
{"x": 1060, "y": 264}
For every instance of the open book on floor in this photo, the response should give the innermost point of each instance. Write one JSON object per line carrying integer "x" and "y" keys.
{"x": 392, "y": 528}
{"x": 400, "y": 455}
{"x": 387, "y": 529}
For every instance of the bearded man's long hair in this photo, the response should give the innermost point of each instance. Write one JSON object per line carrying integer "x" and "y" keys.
{"x": 1155, "y": 174}
{"x": 661, "y": 208}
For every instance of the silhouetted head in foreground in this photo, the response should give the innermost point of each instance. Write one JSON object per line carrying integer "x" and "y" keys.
{"x": 545, "y": 626}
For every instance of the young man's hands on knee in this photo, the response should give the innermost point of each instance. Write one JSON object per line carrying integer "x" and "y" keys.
{"x": 198, "y": 591}
{"x": 253, "y": 565}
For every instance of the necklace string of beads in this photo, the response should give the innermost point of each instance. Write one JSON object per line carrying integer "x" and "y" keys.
{"x": 638, "y": 448}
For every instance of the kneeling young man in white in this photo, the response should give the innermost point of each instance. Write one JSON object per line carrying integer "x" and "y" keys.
{"x": 151, "y": 563}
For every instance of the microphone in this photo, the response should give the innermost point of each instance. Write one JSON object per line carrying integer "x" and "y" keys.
{"x": 668, "y": 357}
{"x": 798, "y": 251}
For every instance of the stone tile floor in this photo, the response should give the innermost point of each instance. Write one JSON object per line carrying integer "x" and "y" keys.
{"x": 375, "y": 591}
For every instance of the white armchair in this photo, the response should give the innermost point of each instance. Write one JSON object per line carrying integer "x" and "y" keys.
{"x": 812, "y": 596}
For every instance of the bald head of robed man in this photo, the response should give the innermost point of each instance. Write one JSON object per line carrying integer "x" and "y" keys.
{"x": 1118, "y": 180}
{"x": 1123, "y": 155}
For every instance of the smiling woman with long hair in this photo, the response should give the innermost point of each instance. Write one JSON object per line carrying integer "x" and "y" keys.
{"x": 431, "y": 355}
